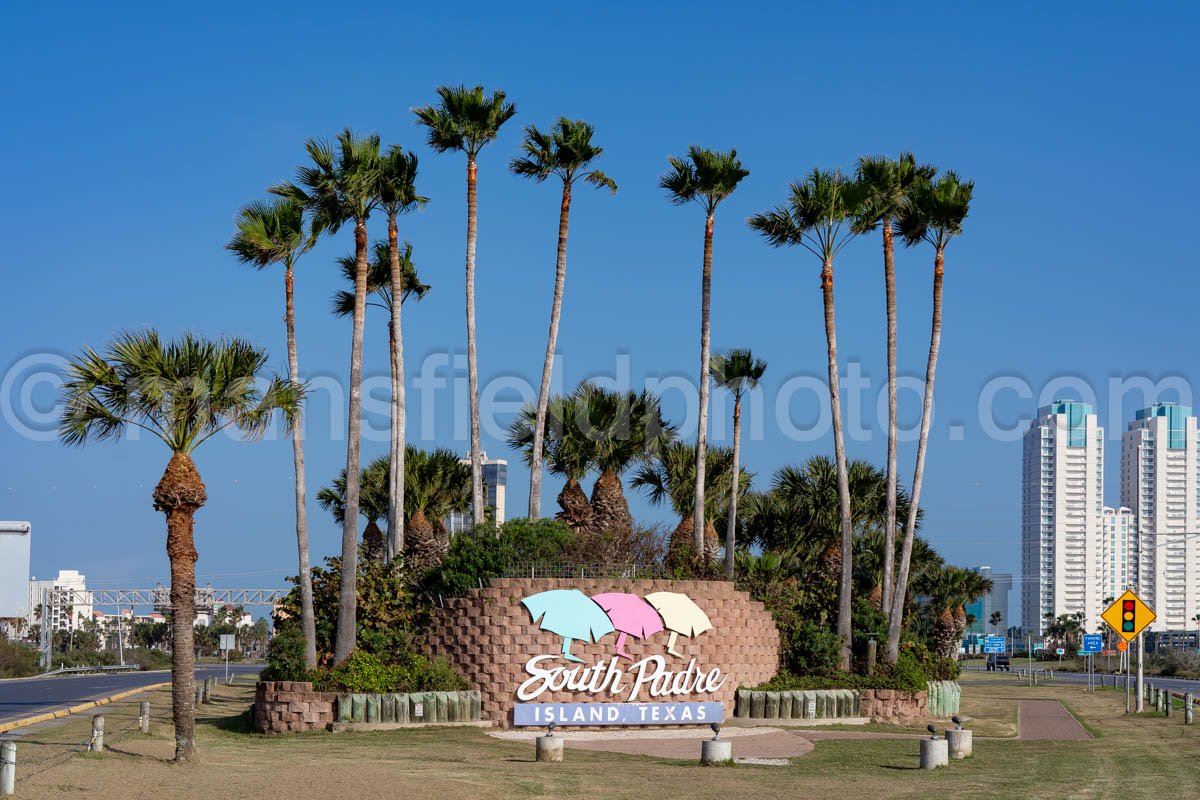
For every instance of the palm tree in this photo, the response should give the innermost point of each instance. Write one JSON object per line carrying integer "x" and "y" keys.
{"x": 566, "y": 151}
{"x": 379, "y": 281}
{"x": 569, "y": 453}
{"x": 372, "y": 505}
{"x": 466, "y": 120}
{"x": 935, "y": 215}
{"x": 339, "y": 187}
{"x": 624, "y": 428}
{"x": 995, "y": 619}
{"x": 739, "y": 372}
{"x": 706, "y": 177}
{"x": 887, "y": 188}
{"x": 671, "y": 477}
{"x": 380, "y": 286}
{"x": 273, "y": 232}
{"x": 183, "y": 393}
{"x": 440, "y": 484}
{"x": 815, "y": 218}
{"x": 397, "y": 195}
{"x": 950, "y": 590}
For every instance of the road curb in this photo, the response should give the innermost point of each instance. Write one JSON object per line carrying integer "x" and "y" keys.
{"x": 76, "y": 709}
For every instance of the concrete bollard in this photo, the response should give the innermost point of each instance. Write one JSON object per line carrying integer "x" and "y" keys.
{"x": 144, "y": 716}
{"x": 8, "y": 768}
{"x": 958, "y": 743}
{"x": 97, "y": 745}
{"x": 550, "y": 748}
{"x": 199, "y": 695}
{"x": 1167, "y": 702}
{"x": 1187, "y": 708}
{"x": 716, "y": 751}
{"x": 934, "y": 753}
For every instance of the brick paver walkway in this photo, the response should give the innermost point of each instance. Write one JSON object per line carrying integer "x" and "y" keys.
{"x": 1048, "y": 719}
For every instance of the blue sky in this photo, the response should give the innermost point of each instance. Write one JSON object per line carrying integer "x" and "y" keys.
{"x": 131, "y": 138}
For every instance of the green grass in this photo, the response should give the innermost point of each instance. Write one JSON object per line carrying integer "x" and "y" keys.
{"x": 1156, "y": 756}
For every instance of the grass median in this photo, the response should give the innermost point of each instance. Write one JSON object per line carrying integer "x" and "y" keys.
{"x": 1134, "y": 756}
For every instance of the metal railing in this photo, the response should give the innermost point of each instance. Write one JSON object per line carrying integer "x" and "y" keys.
{"x": 97, "y": 668}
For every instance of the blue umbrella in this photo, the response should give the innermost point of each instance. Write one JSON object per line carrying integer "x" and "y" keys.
{"x": 571, "y": 614}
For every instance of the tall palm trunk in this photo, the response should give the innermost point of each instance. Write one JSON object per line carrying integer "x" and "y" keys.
{"x": 731, "y": 529}
{"x": 843, "y": 475}
{"x": 347, "y": 621}
{"x": 889, "y": 530}
{"x": 935, "y": 338}
{"x": 399, "y": 422}
{"x": 698, "y": 520}
{"x": 560, "y": 279}
{"x": 307, "y": 619}
{"x": 179, "y": 494}
{"x": 472, "y": 366}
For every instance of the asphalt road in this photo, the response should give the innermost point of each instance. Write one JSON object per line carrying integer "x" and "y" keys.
{"x": 27, "y": 697}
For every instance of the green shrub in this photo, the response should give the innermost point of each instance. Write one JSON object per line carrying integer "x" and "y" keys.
{"x": 365, "y": 672}
{"x": 17, "y": 660}
{"x": 285, "y": 657}
{"x": 147, "y": 658}
{"x": 481, "y": 554}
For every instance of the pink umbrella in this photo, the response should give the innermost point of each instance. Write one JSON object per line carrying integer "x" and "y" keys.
{"x": 630, "y": 615}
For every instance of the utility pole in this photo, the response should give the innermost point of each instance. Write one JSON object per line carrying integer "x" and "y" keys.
{"x": 1140, "y": 677}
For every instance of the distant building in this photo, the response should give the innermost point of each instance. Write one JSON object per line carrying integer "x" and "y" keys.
{"x": 1062, "y": 516}
{"x": 495, "y": 486}
{"x": 1118, "y": 553}
{"x": 1160, "y": 484}
{"x": 14, "y": 571}
{"x": 60, "y": 616}
{"x": 995, "y": 600}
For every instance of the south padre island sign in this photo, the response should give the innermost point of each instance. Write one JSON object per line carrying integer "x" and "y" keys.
{"x": 627, "y": 692}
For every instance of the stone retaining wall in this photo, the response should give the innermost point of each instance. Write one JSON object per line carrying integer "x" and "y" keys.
{"x": 893, "y": 706}
{"x": 488, "y": 636}
{"x": 291, "y": 706}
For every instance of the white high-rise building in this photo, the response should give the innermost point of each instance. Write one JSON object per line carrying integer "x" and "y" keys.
{"x": 1062, "y": 519}
{"x": 1118, "y": 553}
{"x": 1160, "y": 461}
{"x": 61, "y": 616}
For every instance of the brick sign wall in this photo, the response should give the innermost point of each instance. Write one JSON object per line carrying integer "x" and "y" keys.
{"x": 489, "y": 636}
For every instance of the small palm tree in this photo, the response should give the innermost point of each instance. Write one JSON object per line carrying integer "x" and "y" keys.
{"x": 887, "y": 190}
{"x": 342, "y": 185}
{"x": 739, "y": 372}
{"x": 274, "y": 232}
{"x": 624, "y": 428}
{"x": 566, "y": 151}
{"x": 569, "y": 453}
{"x": 372, "y": 505}
{"x": 935, "y": 215}
{"x": 465, "y": 120}
{"x": 183, "y": 393}
{"x": 816, "y": 217}
{"x": 671, "y": 477}
{"x": 439, "y": 484}
{"x": 379, "y": 281}
{"x": 995, "y": 619}
{"x": 706, "y": 177}
{"x": 397, "y": 195}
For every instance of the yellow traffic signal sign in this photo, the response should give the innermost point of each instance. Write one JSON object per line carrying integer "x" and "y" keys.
{"x": 1128, "y": 616}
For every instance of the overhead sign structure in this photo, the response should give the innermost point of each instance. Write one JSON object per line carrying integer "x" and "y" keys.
{"x": 995, "y": 644}
{"x": 1128, "y": 616}
{"x": 1092, "y": 643}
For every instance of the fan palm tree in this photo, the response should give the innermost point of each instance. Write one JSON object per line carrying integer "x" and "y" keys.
{"x": 182, "y": 393}
{"x": 397, "y": 195}
{"x": 935, "y": 215}
{"x": 624, "y": 428}
{"x": 815, "y": 218}
{"x": 379, "y": 281}
{"x": 372, "y": 505}
{"x": 706, "y": 177}
{"x": 569, "y": 454}
{"x": 566, "y": 151}
{"x": 438, "y": 483}
{"x": 739, "y": 372}
{"x": 671, "y": 477}
{"x": 274, "y": 232}
{"x": 995, "y": 619}
{"x": 950, "y": 590}
{"x": 339, "y": 186}
{"x": 379, "y": 286}
{"x": 465, "y": 120}
{"x": 887, "y": 187}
